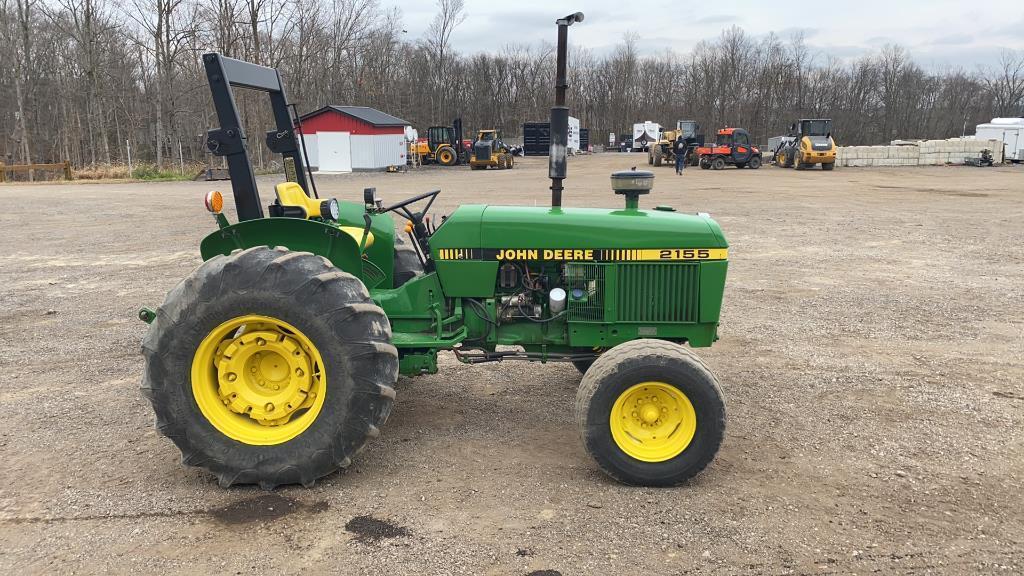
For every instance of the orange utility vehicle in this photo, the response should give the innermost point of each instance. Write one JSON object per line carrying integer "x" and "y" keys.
{"x": 732, "y": 147}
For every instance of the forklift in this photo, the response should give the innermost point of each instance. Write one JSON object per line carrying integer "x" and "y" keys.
{"x": 443, "y": 145}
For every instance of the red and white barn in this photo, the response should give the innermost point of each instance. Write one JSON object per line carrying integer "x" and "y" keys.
{"x": 353, "y": 138}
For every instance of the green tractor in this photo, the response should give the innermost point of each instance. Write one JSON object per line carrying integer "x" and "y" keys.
{"x": 275, "y": 360}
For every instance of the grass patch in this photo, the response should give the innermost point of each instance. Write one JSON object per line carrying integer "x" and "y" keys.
{"x": 145, "y": 172}
{"x": 102, "y": 172}
{"x": 151, "y": 173}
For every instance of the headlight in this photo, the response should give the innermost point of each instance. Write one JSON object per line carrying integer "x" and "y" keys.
{"x": 330, "y": 209}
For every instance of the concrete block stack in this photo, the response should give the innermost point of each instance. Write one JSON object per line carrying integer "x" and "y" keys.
{"x": 918, "y": 153}
{"x": 877, "y": 156}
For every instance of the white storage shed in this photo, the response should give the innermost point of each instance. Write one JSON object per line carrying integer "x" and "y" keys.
{"x": 353, "y": 138}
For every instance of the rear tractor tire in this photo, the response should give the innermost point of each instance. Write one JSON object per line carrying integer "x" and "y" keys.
{"x": 828, "y": 165}
{"x": 269, "y": 367}
{"x": 651, "y": 413}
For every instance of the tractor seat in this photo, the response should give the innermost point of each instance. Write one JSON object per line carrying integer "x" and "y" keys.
{"x": 292, "y": 195}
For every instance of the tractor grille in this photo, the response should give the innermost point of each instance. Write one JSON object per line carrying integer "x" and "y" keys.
{"x": 658, "y": 292}
{"x": 647, "y": 292}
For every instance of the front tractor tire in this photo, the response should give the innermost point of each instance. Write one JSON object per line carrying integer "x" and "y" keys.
{"x": 651, "y": 413}
{"x": 269, "y": 367}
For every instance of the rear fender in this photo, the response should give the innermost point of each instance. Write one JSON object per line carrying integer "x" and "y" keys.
{"x": 292, "y": 233}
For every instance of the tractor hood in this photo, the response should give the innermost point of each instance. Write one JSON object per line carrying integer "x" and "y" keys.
{"x": 489, "y": 228}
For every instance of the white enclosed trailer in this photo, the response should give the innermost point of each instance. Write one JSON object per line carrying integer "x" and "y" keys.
{"x": 644, "y": 133}
{"x": 1009, "y": 131}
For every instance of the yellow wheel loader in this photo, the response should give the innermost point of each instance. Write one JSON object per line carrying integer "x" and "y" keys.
{"x": 663, "y": 151}
{"x": 810, "y": 143}
{"x": 490, "y": 152}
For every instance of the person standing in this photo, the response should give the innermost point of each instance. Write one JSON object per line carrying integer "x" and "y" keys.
{"x": 680, "y": 150}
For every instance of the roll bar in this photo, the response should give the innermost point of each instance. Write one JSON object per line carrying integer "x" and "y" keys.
{"x": 229, "y": 139}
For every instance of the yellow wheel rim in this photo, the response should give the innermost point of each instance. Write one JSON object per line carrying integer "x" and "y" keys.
{"x": 446, "y": 156}
{"x": 258, "y": 380}
{"x": 653, "y": 421}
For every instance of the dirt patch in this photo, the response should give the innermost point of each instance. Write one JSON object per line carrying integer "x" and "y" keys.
{"x": 871, "y": 355}
{"x": 264, "y": 508}
{"x": 369, "y": 529}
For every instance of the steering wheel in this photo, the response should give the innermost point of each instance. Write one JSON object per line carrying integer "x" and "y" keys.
{"x": 403, "y": 206}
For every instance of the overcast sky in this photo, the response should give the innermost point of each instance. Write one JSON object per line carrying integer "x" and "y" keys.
{"x": 937, "y": 32}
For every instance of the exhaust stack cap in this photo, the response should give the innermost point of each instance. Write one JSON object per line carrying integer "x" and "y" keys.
{"x": 570, "y": 19}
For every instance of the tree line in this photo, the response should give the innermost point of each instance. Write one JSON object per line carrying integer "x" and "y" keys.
{"x": 94, "y": 81}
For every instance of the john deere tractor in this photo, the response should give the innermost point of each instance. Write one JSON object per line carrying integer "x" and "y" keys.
{"x": 275, "y": 361}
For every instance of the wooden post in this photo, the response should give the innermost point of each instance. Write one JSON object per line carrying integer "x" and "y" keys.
{"x": 3, "y": 172}
{"x": 67, "y": 170}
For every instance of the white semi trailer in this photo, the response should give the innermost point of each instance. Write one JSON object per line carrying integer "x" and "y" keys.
{"x": 1009, "y": 131}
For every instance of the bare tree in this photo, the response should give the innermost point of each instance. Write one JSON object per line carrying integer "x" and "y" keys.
{"x": 1007, "y": 84}
{"x": 450, "y": 14}
{"x": 76, "y": 90}
{"x": 22, "y": 50}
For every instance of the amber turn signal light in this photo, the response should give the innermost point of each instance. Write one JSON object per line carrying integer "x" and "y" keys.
{"x": 214, "y": 201}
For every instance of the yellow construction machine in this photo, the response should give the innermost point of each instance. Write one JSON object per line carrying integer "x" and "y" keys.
{"x": 810, "y": 142}
{"x": 443, "y": 145}
{"x": 490, "y": 152}
{"x": 664, "y": 150}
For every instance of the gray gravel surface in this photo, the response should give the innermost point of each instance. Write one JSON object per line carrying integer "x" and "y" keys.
{"x": 872, "y": 357}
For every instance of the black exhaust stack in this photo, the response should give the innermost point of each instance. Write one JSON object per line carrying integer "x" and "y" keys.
{"x": 560, "y": 113}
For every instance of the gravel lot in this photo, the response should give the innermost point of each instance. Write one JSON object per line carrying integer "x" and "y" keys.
{"x": 872, "y": 356}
